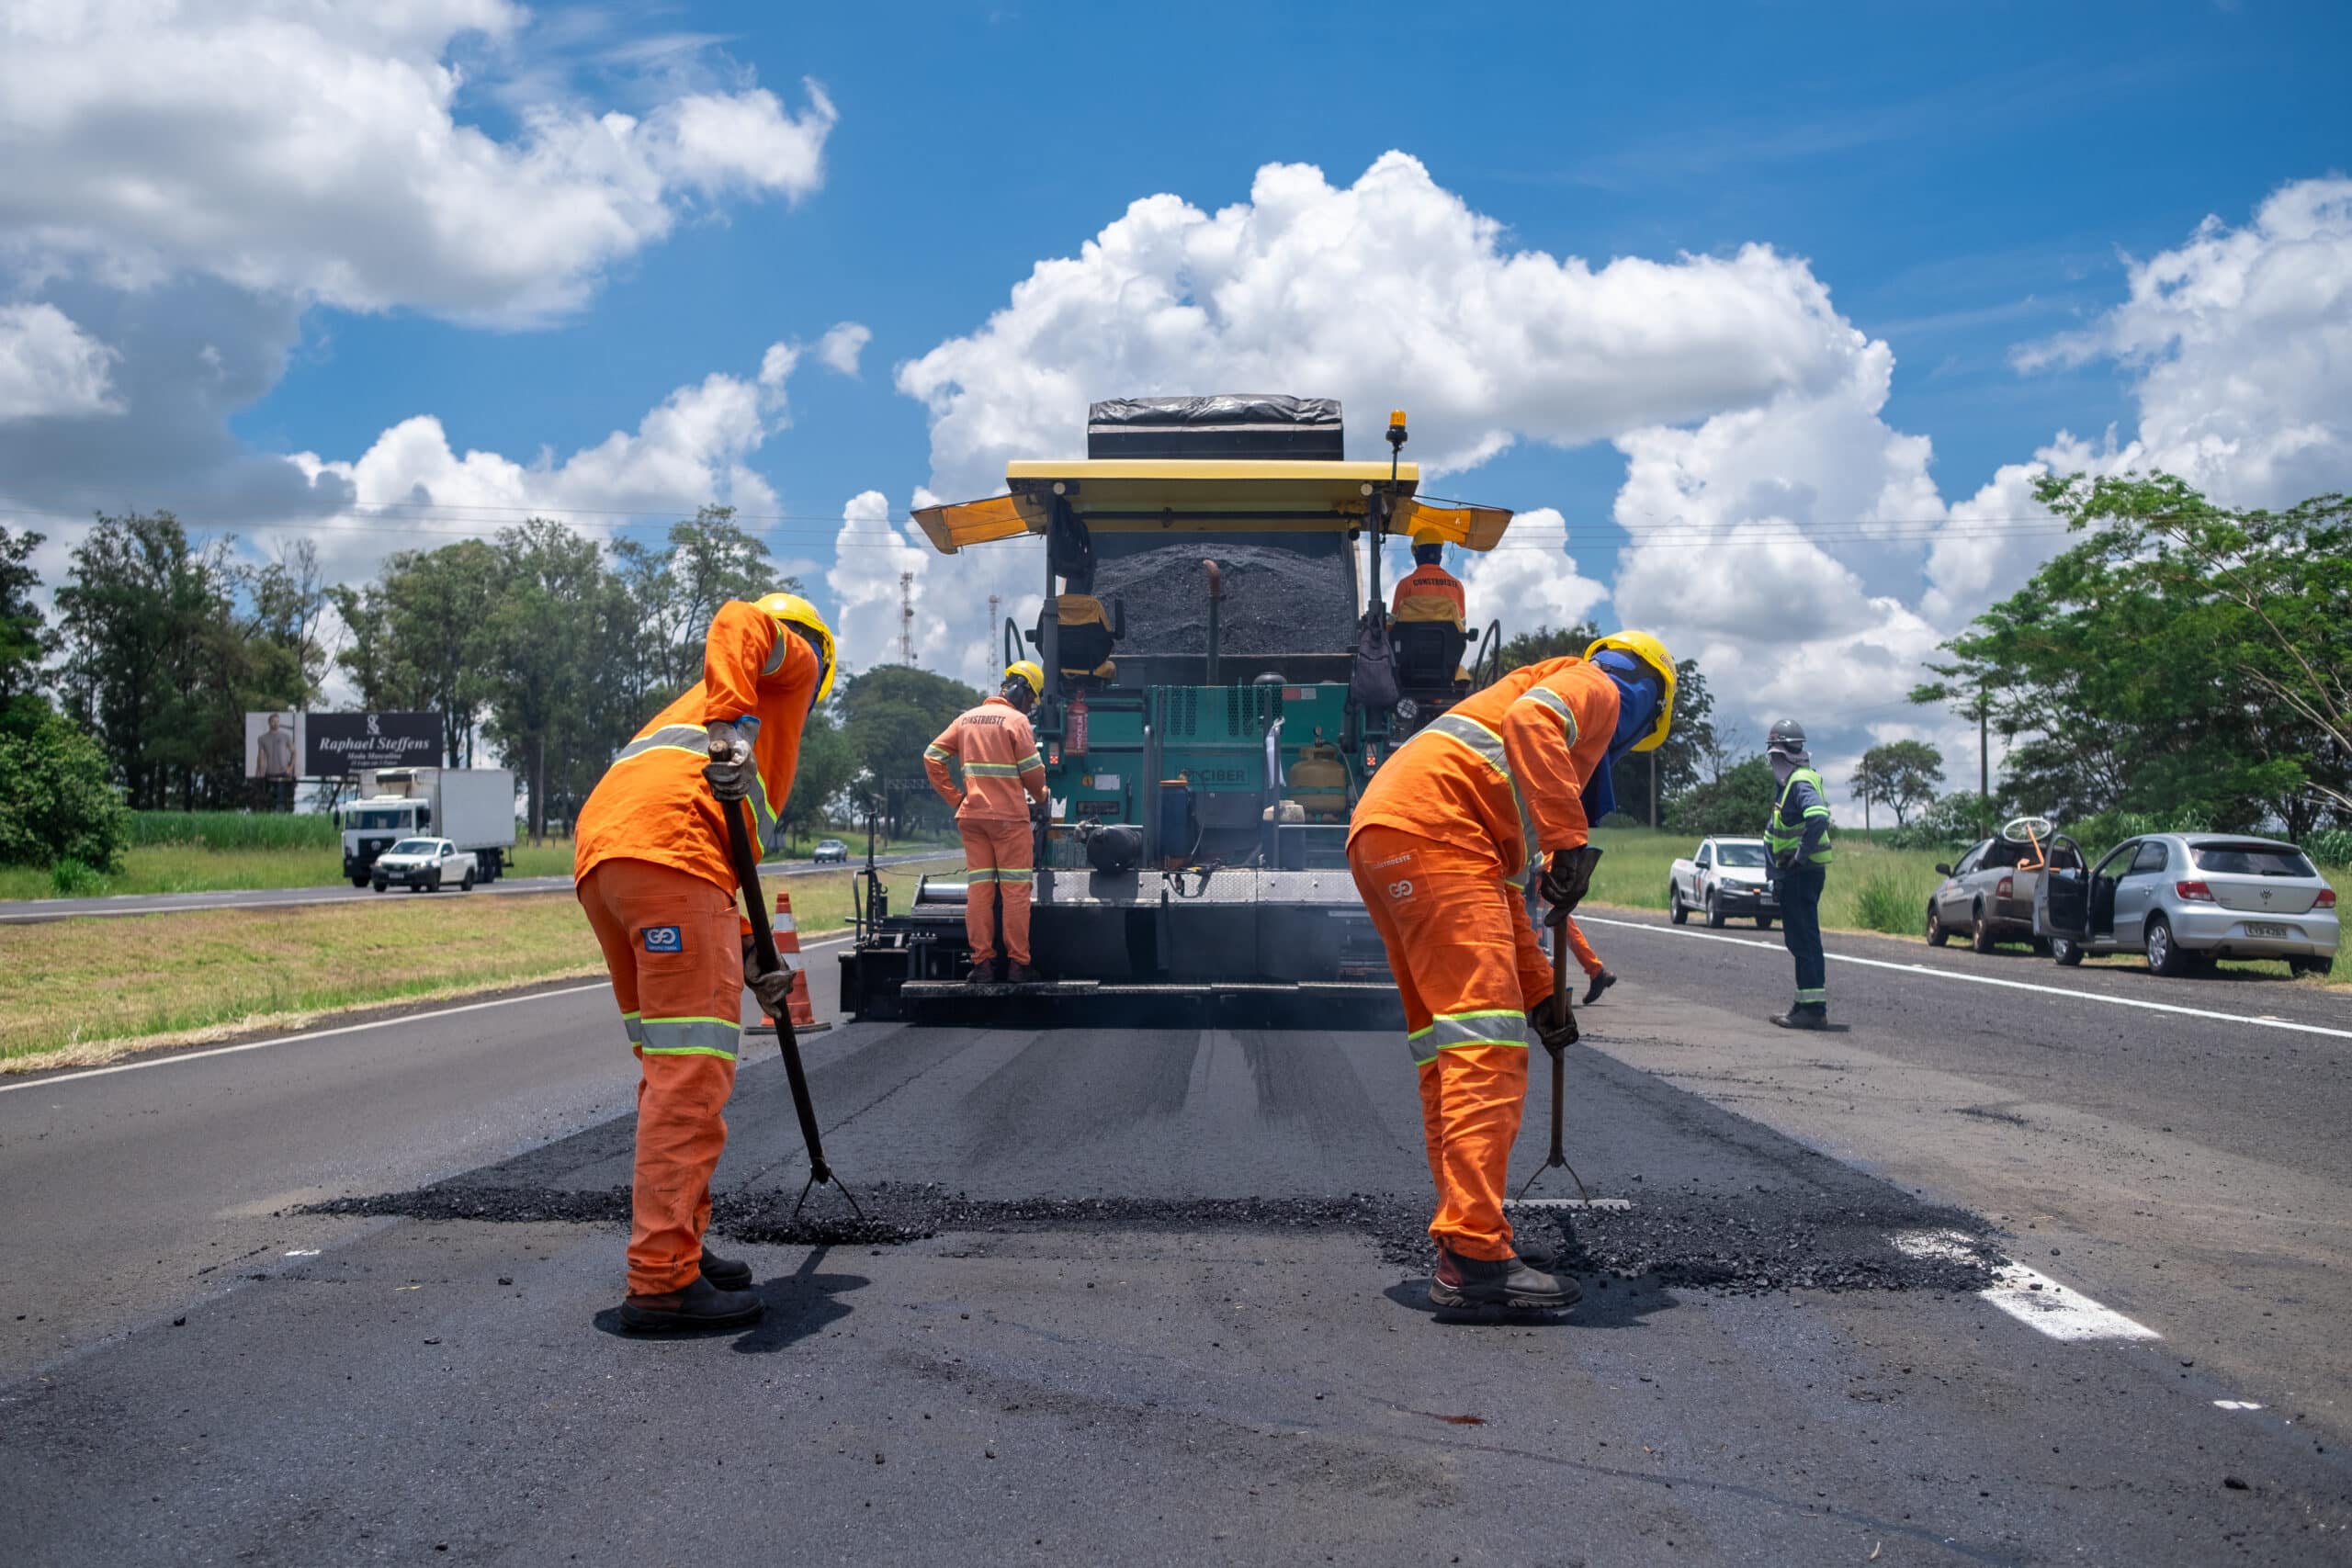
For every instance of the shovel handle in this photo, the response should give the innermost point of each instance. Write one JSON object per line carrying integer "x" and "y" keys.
{"x": 747, "y": 872}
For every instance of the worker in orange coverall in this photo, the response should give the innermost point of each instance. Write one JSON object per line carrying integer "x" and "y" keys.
{"x": 1442, "y": 845}
{"x": 1002, "y": 776}
{"x": 653, "y": 872}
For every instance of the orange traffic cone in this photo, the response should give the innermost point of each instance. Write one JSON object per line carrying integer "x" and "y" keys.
{"x": 787, "y": 949}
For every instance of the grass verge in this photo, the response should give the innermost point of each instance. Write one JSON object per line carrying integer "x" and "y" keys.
{"x": 205, "y": 868}
{"x": 82, "y": 992}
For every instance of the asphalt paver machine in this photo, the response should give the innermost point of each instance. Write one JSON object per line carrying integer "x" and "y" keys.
{"x": 1222, "y": 679}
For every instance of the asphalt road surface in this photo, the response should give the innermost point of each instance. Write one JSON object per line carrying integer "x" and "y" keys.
{"x": 28, "y": 911}
{"x": 2004, "y": 1273}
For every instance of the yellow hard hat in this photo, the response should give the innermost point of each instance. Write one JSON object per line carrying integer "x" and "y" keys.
{"x": 792, "y": 610}
{"x": 1030, "y": 670}
{"x": 1652, "y": 653}
{"x": 1427, "y": 535}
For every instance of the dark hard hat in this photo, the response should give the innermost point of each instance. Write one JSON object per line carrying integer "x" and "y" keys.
{"x": 1787, "y": 735}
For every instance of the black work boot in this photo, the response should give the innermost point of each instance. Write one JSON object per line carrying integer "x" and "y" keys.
{"x": 700, "y": 1305}
{"x": 1506, "y": 1282}
{"x": 726, "y": 1273}
{"x": 1804, "y": 1015}
{"x": 1600, "y": 982}
{"x": 1020, "y": 975}
{"x": 987, "y": 974}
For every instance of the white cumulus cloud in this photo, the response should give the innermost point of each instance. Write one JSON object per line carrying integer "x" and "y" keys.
{"x": 50, "y": 366}
{"x": 413, "y": 489}
{"x": 2242, "y": 341}
{"x": 318, "y": 150}
{"x": 839, "y": 349}
{"x": 1385, "y": 292}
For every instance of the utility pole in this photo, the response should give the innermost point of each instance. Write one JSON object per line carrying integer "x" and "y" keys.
{"x": 1984, "y": 752}
{"x": 1653, "y": 790}
{"x": 906, "y": 617}
{"x": 993, "y": 622}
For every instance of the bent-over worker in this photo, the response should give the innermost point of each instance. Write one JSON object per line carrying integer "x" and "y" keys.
{"x": 653, "y": 873}
{"x": 1441, "y": 844}
{"x": 1002, "y": 776}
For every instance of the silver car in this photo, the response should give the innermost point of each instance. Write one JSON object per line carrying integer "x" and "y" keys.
{"x": 2187, "y": 898}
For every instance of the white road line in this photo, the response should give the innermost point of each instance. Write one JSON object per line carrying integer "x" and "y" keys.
{"x": 2236, "y": 1405}
{"x": 177, "y": 1057}
{"x": 2033, "y": 1298}
{"x": 2258, "y": 1020}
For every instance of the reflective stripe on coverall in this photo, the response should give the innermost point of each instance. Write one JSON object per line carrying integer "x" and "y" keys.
{"x": 654, "y": 874}
{"x": 1001, "y": 774}
{"x": 1440, "y": 847}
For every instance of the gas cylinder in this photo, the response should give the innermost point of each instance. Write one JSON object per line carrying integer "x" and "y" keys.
{"x": 1319, "y": 781}
{"x": 1074, "y": 727}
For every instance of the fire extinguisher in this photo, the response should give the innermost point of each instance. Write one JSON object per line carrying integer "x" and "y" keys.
{"x": 1074, "y": 727}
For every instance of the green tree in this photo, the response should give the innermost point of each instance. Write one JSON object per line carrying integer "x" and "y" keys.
{"x": 1737, "y": 803}
{"x": 156, "y": 663}
{"x": 1902, "y": 774}
{"x": 56, "y": 801}
{"x": 2180, "y": 656}
{"x": 25, "y": 639}
{"x": 828, "y": 767}
{"x": 548, "y": 640}
{"x": 888, "y": 715}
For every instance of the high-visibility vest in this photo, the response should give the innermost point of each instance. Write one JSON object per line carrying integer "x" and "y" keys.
{"x": 1781, "y": 835}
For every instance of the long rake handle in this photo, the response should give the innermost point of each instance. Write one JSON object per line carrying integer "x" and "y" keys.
{"x": 747, "y": 872}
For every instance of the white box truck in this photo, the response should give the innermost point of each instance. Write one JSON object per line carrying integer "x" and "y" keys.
{"x": 471, "y": 807}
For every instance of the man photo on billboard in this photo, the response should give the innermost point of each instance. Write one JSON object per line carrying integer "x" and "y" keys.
{"x": 274, "y": 762}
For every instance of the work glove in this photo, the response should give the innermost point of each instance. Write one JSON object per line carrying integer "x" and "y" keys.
{"x": 775, "y": 991}
{"x": 1565, "y": 880}
{"x": 1785, "y": 861}
{"x": 1555, "y": 1022}
{"x": 729, "y": 772}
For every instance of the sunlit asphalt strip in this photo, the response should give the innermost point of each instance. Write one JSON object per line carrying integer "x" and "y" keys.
{"x": 1932, "y": 972}
{"x": 2034, "y": 1299}
{"x": 408, "y": 1018}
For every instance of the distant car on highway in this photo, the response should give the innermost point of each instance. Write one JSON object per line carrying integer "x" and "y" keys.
{"x": 830, "y": 849}
{"x": 2184, "y": 899}
{"x": 1987, "y": 895}
{"x": 1723, "y": 878}
{"x": 423, "y": 866}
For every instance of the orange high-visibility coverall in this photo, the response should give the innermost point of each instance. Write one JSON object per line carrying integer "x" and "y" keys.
{"x": 1001, "y": 774}
{"x": 654, "y": 874}
{"x": 1431, "y": 582}
{"x": 1441, "y": 846}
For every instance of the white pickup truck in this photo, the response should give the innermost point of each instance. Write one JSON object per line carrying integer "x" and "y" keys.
{"x": 421, "y": 866}
{"x": 1725, "y": 877}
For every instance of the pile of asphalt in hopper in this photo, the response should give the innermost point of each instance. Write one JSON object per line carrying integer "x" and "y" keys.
{"x": 1276, "y": 601}
{"x": 1766, "y": 1242}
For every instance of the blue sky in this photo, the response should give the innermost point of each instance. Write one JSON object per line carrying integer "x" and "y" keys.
{"x": 1966, "y": 181}
{"x": 1962, "y": 177}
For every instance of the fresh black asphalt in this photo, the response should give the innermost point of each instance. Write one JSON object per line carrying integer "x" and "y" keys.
{"x": 1150, "y": 1295}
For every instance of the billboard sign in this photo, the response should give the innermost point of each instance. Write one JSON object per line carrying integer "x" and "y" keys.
{"x": 341, "y": 745}
{"x": 273, "y": 745}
